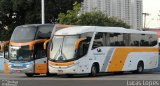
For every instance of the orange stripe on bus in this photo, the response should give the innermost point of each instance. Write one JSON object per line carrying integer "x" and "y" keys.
{"x": 120, "y": 54}
{"x": 41, "y": 68}
{"x": 5, "y": 68}
{"x": 31, "y": 43}
{"x": 61, "y": 64}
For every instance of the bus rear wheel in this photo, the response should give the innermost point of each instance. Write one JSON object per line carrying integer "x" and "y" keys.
{"x": 29, "y": 74}
{"x": 140, "y": 67}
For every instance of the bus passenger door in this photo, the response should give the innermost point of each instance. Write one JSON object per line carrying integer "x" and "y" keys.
{"x": 98, "y": 51}
{"x": 6, "y": 59}
{"x": 41, "y": 62}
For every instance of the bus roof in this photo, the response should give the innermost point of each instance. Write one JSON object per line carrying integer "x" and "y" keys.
{"x": 83, "y": 29}
{"x": 36, "y": 25}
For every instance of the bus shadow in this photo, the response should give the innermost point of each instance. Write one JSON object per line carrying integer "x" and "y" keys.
{"x": 87, "y": 76}
{"x": 102, "y": 75}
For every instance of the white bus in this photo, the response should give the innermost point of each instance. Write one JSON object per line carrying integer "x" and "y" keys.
{"x": 94, "y": 49}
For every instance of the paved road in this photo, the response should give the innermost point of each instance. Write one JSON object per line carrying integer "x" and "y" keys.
{"x": 103, "y": 76}
{"x": 80, "y": 80}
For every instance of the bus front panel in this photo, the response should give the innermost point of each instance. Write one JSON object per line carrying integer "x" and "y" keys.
{"x": 21, "y": 60}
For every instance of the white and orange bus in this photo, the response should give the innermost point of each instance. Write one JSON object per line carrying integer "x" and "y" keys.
{"x": 26, "y": 49}
{"x": 94, "y": 49}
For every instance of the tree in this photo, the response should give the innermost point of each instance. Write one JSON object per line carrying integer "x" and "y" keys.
{"x": 96, "y": 18}
{"x": 71, "y": 17}
{"x": 19, "y": 12}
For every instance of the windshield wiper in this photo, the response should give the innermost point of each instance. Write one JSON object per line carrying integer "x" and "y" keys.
{"x": 52, "y": 59}
{"x": 60, "y": 54}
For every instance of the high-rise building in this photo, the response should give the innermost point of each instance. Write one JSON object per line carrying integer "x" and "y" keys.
{"x": 130, "y": 11}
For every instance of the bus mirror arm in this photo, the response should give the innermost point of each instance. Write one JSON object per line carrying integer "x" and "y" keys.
{"x": 35, "y": 42}
{"x": 45, "y": 44}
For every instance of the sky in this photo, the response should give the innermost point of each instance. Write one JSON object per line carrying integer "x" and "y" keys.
{"x": 153, "y": 8}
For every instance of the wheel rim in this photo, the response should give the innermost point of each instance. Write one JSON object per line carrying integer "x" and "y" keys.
{"x": 94, "y": 71}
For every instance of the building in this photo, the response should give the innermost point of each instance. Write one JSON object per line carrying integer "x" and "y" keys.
{"x": 129, "y": 11}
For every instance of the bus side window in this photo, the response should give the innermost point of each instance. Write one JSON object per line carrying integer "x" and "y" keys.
{"x": 39, "y": 51}
{"x": 84, "y": 45}
{"x": 40, "y": 54}
{"x": 98, "y": 41}
{"x": 135, "y": 40}
{"x": 83, "y": 48}
{"x": 44, "y": 32}
{"x": 153, "y": 40}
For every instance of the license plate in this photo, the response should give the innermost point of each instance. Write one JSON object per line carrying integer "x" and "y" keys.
{"x": 18, "y": 65}
{"x": 60, "y": 71}
{"x": 18, "y": 71}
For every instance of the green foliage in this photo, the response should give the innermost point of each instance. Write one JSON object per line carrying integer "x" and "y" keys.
{"x": 92, "y": 18}
{"x": 71, "y": 16}
{"x": 19, "y": 12}
{"x": 95, "y": 18}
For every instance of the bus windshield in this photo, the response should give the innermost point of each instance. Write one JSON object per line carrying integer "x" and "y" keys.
{"x": 20, "y": 54}
{"x": 23, "y": 34}
{"x": 63, "y": 48}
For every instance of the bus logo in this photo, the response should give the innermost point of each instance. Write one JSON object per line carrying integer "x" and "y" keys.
{"x": 99, "y": 50}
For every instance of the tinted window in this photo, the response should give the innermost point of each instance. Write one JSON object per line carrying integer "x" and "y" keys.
{"x": 143, "y": 40}
{"x": 23, "y": 34}
{"x": 84, "y": 44}
{"x": 135, "y": 39}
{"x": 116, "y": 39}
{"x": 98, "y": 41}
{"x": 44, "y": 31}
{"x": 153, "y": 40}
{"x": 124, "y": 39}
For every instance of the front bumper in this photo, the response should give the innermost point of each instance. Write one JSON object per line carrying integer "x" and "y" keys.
{"x": 64, "y": 70}
{"x": 26, "y": 68}
{"x": 73, "y": 69}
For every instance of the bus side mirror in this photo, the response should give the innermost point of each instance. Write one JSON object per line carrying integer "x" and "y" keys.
{"x": 77, "y": 42}
{"x": 1, "y": 49}
{"x": 3, "y": 46}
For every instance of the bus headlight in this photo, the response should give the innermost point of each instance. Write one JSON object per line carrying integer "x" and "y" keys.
{"x": 28, "y": 65}
{"x": 9, "y": 66}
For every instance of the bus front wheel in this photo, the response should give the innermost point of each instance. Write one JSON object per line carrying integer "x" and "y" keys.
{"x": 94, "y": 71}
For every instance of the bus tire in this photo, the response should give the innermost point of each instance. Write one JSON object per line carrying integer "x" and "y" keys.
{"x": 70, "y": 75}
{"x": 120, "y": 72}
{"x": 140, "y": 67}
{"x": 94, "y": 70}
{"x": 50, "y": 74}
{"x": 29, "y": 74}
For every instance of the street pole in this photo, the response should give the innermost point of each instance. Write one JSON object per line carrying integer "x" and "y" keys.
{"x": 42, "y": 12}
{"x": 145, "y": 15}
